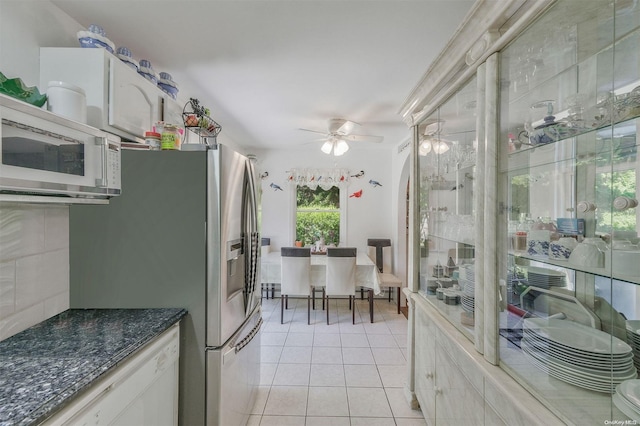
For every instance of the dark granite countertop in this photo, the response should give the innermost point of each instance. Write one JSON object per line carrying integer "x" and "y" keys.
{"x": 44, "y": 367}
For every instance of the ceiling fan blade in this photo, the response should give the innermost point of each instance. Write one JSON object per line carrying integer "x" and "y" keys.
{"x": 346, "y": 127}
{"x": 313, "y": 131}
{"x": 362, "y": 138}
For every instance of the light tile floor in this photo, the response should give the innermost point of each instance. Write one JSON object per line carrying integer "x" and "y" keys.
{"x": 337, "y": 374}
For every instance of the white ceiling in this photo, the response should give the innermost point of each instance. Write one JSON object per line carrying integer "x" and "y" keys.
{"x": 267, "y": 68}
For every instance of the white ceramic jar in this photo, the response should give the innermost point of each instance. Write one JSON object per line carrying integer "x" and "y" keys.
{"x": 587, "y": 255}
{"x": 67, "y": 100}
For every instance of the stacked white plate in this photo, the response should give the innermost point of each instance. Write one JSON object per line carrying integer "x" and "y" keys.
{"x": 577, "y": 354}
{"x": 627, "y": 398}
{"x": 467, "y": 285}
{"x": 633, "y": 338}
{"x": 545, "y": 278}
{"x": 466, "y": 272}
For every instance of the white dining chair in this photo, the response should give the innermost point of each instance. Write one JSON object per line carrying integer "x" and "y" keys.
{"x": 341, "y": 276}
{"x": 379, "y": 250}
{"x": 295, "y": 277}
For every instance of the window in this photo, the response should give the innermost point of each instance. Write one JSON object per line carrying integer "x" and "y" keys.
{"x": 318, "y": 215}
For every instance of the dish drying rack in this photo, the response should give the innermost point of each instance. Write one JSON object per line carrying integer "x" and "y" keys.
{"x": 196, "y": 119}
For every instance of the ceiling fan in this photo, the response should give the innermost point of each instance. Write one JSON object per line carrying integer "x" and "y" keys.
{"x": 431, "y": 139}
{"x": 338, "y": 133}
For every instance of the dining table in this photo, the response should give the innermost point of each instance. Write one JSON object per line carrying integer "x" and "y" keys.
{"x": 366, "y": 272}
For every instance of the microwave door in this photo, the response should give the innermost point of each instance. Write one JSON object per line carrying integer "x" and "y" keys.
{"x": 52, "y": 157}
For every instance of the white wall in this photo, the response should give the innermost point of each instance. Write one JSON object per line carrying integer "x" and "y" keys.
{"x": 369, "y": 216}
{"x": 400, "y": 178}
{"x": 25, "y": 26}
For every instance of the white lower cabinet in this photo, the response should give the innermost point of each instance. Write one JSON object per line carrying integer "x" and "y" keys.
{"x": 454, "y": 384}
{"x": 425, "y": 365}
{"x": 457, "y": 401}
{"x": 143, "y": 391}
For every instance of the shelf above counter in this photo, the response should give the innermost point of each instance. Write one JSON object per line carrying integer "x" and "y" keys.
{"x": 602, "y": 272}
{"x": 467, "y": 242}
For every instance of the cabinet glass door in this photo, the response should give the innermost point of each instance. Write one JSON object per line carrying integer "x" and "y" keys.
{"x": 447, "y": 155}
{"x": 568, "y": 240}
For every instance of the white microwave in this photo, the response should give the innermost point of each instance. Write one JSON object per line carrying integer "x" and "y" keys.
{"x": 42, "y": 153}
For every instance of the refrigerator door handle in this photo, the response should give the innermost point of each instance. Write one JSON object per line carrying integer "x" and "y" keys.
{"x": 249, "y": 337}
{"x": 254, "y": 238}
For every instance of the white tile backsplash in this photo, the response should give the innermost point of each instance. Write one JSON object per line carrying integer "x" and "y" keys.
{"x": 22, "y": 231}
{"x": 56, "y": 228}
{"x": 21, "y": 320}
{"x": 56, "y": 304}
{"x": 34, "y": 265}
{"x": 7, "y": 288}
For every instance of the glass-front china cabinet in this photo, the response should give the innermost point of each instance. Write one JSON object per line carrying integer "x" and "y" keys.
{"x": 569, "y": 256}
{"x": 526, "y": 216}
{"x": 447, "y": 156}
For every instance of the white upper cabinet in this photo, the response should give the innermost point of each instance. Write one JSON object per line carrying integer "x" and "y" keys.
{"x": 119, "y": 100}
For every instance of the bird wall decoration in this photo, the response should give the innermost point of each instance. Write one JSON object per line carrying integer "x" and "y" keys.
{"x": 359, "y": 174}
{"x": 356, "y": 194}
{"x": 275, "y": 187}
{"x": 374, "y": 183}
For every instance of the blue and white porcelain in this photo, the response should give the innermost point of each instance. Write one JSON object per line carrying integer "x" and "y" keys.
{"x": 145, "y": 63}
{"x": 124, "y": 51}
{"x": 166, "y": 83}
{"x": 97, "y": 29}
{"x": 538, "y": 243}
{"x": 124, "y": 54}
{"x": 561, "y": 249}
{"x": 146, "y": 70}
{"x": 95, "y": 37}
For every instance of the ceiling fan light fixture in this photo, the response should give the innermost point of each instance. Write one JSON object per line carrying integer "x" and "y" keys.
{"x": 341, "y": 147}
{"x": 327, "y": 147}
{"x": 440, "y": 147}
{"x": 425, "y": 147}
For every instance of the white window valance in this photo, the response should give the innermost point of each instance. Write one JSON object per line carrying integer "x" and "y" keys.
{"x": 323, "y": 178}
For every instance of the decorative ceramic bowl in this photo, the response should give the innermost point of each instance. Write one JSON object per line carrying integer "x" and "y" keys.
{"x": 95, "y": 37}
{"x": 166, "y": 83}
{"x": 16, "y": 88}
{"x": 168, "y": 89}
{"x": 587, "y": 255}
{"x": 145, "y": 63}
{"x": 561, "y": 249}
{"x": 598, "y": 242}
{"x": 124, "y": 51}
{"x": 538, "y": 243}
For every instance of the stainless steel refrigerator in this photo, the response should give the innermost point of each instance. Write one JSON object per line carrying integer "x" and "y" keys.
{"x": 182, "y": 234}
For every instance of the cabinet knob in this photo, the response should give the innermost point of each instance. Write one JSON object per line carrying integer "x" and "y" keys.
{"x": 429, "y": 375}
{"x": 624, "y": 203}
{"x": 437, "y": 390}
{"x": 586, "y": 206}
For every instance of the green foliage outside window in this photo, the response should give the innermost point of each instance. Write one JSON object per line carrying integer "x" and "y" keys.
{"x": 608, "y": 187}
{"x": 318, "y": 215}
